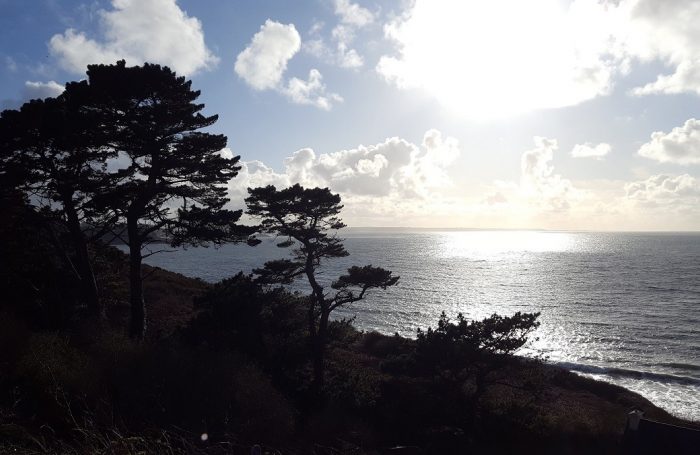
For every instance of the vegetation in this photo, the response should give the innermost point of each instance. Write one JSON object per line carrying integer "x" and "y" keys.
{"x": 243, "y": 362}
{"x": 51, "y": 151}
{"x": 171, "y": 179}
{"x": 305, "y": 217}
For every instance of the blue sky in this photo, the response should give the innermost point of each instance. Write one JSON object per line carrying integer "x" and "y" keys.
{"x": 504, "y": 114}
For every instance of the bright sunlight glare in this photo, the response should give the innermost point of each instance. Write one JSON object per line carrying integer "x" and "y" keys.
{"x": 498, "y": 58}
{"x": 489, "y": 245}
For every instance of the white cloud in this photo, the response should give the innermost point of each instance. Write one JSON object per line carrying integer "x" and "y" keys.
{"x": 342, "y": 54}
{"x": 680, "y": 146}
{"x": 263, "y": 63}
{"x": 667, "y": 192}
{"x": 353, "y": 14}
{"x": 155, "y": 31}
{"x": 226, "y": 153}
{"x": 667, "y": 32}
{"x": 346, "y": 57}
{"x": 33, "y": 90}
{"x": 588, "y": 150}
{"x": 352, "y": 17}
{"x": 349, "y": 58}
{"x": 538, "y": 182}
{"x": 399, "y": 183}
{"x": 311, "y": 91}
{"x": 394, "y": 170}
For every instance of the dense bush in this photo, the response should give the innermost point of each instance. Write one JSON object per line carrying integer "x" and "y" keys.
{"x": 35, "y": 271}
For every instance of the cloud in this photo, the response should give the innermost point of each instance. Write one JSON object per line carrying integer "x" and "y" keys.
{"x": 399, "y": 183}
{"x": 156, "y": 31}
{"x": 342, "y": 54}
{"x": 680, "y": 146}
{"x": 670, "y": 193}
{"x": 226, "y": 153}
{"x": 311, "y": 91}
{"x": 353, "y": 14}
{"x": 393, "y": 170}
{"x": 667, "y": 32}
{"x": 538, "y": 182}
{"x": 352, "y": 17}
{"x": 588, "y": 150}
{"x": 33, "y": 90}
{"x": 345, "y": 56}
{"x": 263, "y": 63}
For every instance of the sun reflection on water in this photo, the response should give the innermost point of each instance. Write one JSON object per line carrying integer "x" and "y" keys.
{"x": 493, "y": 244}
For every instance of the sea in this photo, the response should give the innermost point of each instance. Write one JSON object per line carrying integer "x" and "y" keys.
{"x": 619, "y": 307}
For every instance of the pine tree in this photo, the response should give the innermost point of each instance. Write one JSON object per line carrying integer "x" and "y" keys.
{"x": 172, "y": 180}
{"x": 308, "y": 219}
{"x": 53, "y": 151}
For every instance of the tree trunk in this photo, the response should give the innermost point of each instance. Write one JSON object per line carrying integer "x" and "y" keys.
{"x": 319, "y": 350}
{"x": 317, "y": 336}
{"x": 137, "y": 325}
{"x": 88, "y": 282}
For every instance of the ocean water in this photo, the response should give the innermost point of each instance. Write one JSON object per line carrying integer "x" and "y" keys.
{"x": 620, "y": 307}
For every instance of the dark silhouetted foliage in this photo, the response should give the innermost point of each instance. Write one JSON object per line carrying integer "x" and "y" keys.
{"x": 53, "y": 150}
{"x": 308, "y": 219}
{"x": 173, "y": 181}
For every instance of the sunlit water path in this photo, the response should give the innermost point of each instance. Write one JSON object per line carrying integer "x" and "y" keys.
{"x": 621, "y": 307}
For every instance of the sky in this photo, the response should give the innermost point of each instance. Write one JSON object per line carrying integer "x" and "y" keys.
{"x": 562, "y": 115}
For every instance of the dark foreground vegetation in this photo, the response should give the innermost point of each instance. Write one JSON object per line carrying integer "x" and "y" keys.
{"x": 232, "y": 361}
{"x": 102, "y": 354}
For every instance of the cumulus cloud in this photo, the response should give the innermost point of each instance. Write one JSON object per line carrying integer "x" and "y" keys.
{"x": 680, "y": 146}
{"x": 156, "y": 31}
{"x": 668, "y": 32}
{"x": 33, "y": 90}
{"x": 588, "y": 150}
{"x": 678, "y": 193}
{"x": 393, "y": 170}
{"x": 539, "y": 183}
{"x": 226, "y": 153}
{"x": 539, "y": 191}
{"x": 263, "y": 63}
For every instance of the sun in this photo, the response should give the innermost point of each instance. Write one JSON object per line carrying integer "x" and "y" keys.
{"x": 498, "y": 57}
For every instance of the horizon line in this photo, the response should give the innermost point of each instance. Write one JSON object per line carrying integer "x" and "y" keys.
{"x": 434, "y": 228}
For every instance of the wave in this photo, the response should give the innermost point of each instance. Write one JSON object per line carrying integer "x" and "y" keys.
{"x": 629, "y": 373}
{"x": 682, "y": 366}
